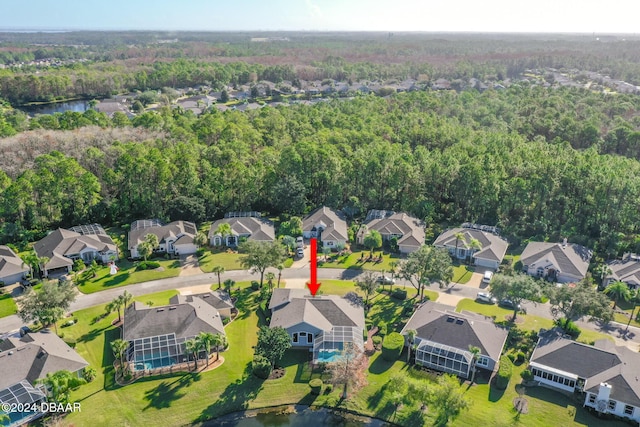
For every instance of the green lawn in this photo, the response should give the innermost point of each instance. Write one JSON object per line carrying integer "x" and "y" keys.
{"x": 353, "y": 261}
{"x": 7, "y": 305}
{"x": 530, "y": 322}
{"x": 230, "y": 261}
{"x": 462, "y": 273}
{"x": 187, "y": 398}
{"x": 127, "y": 275}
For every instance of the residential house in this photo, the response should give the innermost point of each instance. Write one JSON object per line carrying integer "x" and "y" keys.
{"x": 244, "y": 225}
{"x": 111, "y": 106}
{"x": 176, "y": 238}
{"x": 219, "y": 299}
{"x": 12, "y": 268}
{"x": 606, "y": 374}
{"x": 490, "y": 253}
{"x": 626, "y": 270}
{"x": 559, "y": 262}
{"x": 323, "y": 323}
{"x": 156, "y": 335}
{"x": 444, "y": 337}
{"x": 62, "y": 247}
{"x": 327, "y": 225}
{"x": 24, "y": 361}
{"x": 407, "y": 230}
{"x": 197, "y": 104}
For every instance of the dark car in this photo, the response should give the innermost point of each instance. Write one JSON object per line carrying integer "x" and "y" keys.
{"x": 507, "y": 303}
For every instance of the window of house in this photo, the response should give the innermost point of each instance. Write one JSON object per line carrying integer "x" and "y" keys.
{"x": 612, "y": 405}
{"x": 592, "y": 398}
{"x": 628, "y": 410}
{"x": 295, "y": 337}
{"x": 303, "y": 334}
{"x": 572, "y": 383}
{"x": 309, "y": 338}
{"x": 482, "y": 361}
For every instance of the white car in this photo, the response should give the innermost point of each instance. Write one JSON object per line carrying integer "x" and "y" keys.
{"x": 300, "y": 242}
{"x": 487, "y": 276}
{"x": 385, "y": 280}
{"x": 486, "y": 297}
{"x": 300, "y": 253}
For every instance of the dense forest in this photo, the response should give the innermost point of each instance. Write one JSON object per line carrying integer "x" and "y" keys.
{"x": 540, "y": 163}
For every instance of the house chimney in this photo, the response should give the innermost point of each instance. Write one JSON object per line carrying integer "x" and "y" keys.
{"x": 564, "y": 243}
{"x": 604, "y": 392}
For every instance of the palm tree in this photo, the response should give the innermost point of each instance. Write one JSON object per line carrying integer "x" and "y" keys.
{"x": 228, "y": 284}
{"x": 50, "y": 316}
{"x": 474, "y": 245}
{"x": 200, "y": 239}
{"x": 411, "y": 337}
{"x": 218, "y": 269}
{"x": 224, "y": 230}
{"x": 459, "y": 236}
{"x": 270, "y": 278}
{"x": 119, "y": 348}
{"x": 218, "y": 341}
{"x": 618, "y": 291}
{"x": 192, "y": 347}
{"x": 280, "y": 267}
{"x": 475, "y": 352}
{"x": 206, "y": 339}
{"x": 119, "y": 302}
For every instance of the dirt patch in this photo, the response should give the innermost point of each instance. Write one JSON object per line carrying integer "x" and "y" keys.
{"x": 277, "y": 373}
{"x": 521, "y": 405}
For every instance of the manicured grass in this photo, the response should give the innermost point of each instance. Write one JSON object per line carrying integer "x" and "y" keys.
{"x": 462, "y": 273}
{"x": 230, "y": 261}
{"x": 353, "y": 261}
{"x": 127, "y": 275}
{"x": 530, "y": 322}
{"x": 7, "y": 305}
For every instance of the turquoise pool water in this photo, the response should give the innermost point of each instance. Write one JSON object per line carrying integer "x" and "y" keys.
{"x": 326, "y": 356}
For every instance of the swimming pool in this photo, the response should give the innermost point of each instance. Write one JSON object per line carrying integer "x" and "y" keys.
{"x": 154, "y": 364}
{"x": 326, "y": 356}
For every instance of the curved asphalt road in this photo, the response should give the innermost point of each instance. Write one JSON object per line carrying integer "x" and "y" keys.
{"x": 12, "y": 323}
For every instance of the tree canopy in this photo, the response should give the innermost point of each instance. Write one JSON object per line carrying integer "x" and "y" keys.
{"x": 517, "y": 289}
{"x": 427, "y": 264}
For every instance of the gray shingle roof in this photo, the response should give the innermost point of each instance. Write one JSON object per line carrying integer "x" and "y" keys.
{"x": 10, "y": 263}
{"x": 60, "y": 243}
{"x": 571, "y": 258}
{"x": 601, "y": 363}
{"x": 333, "y": 221}
{"x": 626, "y": 270}
{"x": 163, "y": 232}
{"x": 217, "y": 299}
{"x": 183, "y": 320}
{"x": 494, "y": 247}
{"x": 323, "y": 311}
{"x": 440, "y": 323}
{"x": 258, "y": 229}
{"x": 400, "y": 224}
{"x": 34, "y": 356}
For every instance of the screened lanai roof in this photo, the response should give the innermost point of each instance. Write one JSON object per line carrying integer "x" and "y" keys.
{"x": 338, "y": 334}
{"x": 444, "y": 351}
{"x": 22, "y": 392}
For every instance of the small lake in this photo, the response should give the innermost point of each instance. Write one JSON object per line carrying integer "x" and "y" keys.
{"x": 302, "y": 417}
{"x": 56, "y": 107}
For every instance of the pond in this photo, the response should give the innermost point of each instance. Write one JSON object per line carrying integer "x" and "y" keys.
{"x": 302, "y": 416}
{"x": 56, "y": 107}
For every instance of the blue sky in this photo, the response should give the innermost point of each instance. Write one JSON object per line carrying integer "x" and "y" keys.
{"x": 619, "y": 16}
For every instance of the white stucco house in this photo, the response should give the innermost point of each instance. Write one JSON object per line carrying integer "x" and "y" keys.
{"x": 607, "y": 374}
{"x": 175, "y": 238}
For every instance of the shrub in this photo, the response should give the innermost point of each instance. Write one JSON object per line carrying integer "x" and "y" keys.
{"x": 504, "y": 373}
{"x": 392, "y": 346}
{"x": 328, "y": 389}
{"x": 147, "y": 265}
{"x": 520, "y": 356}
{"x": 526, "y": 375}
{"x": 377, "y": 340}
{"x": 571, "y": 328}
{"x": 89, "y": 374}
{"x": 512, "y": 357}
{"x": 399, "y": 294}
{"x": 255, "y": 285}
{"x": 382, "y": 329}
{"x": 316, "y": 386}
{"x": 261, "y": 367}
{"x": 200, "y": 252}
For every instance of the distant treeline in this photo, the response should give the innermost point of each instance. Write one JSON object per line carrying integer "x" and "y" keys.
{"x": 531, "y": 160}
{"x": 122, "y": 62}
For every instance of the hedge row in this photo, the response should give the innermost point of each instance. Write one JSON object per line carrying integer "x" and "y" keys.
{"x": 392, "y": 346}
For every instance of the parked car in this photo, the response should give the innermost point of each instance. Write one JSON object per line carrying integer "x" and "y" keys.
{"x": 487, "y": 276}
{"x": 300, "y": 253}
{"x": 386, "y": 280}
{"x": 486, "y": 297}
{"x": 300, "y": 242}
{"x": 507, "y": 303}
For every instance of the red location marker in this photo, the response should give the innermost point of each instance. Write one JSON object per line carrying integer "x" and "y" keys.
{"x": 313, "y": 283}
